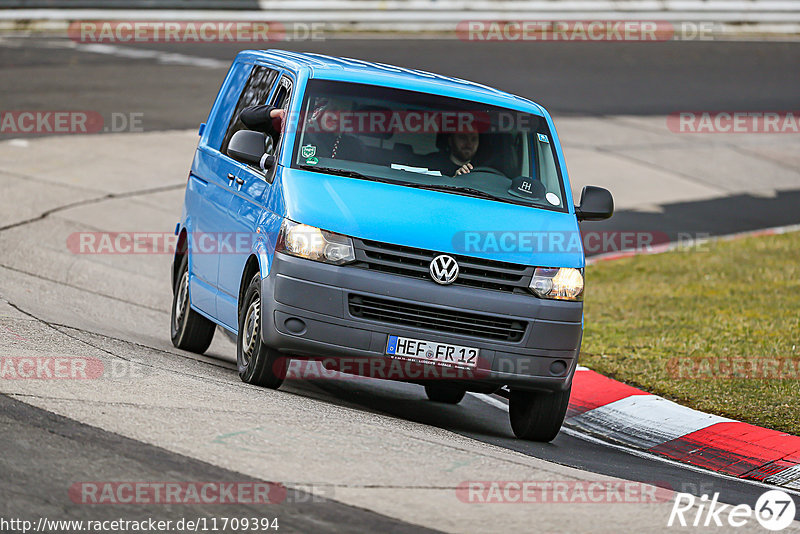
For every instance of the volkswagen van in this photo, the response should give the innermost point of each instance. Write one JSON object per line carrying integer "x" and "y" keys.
{"x": 402, "y": 225}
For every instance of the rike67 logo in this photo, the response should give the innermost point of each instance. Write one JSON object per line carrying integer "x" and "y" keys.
{"x": 774, "y": 510}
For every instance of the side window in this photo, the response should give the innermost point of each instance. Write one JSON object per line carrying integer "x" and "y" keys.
{"x": 281, "y": 100}
{"x": 255, "y": 92}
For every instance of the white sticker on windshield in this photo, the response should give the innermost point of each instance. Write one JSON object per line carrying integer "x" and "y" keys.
{"x": 552, "y": 198}
{"x": 543, "y": 138}
{"x": 420, "y": 170}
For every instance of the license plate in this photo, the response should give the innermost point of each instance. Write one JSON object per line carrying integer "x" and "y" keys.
{"x": 430, "y": 351}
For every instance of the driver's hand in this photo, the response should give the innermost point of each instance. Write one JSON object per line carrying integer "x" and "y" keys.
{"x": 279, "y": 114}
{"x": 464, "y": 169}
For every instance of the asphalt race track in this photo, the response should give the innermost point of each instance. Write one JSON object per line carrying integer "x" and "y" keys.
{"x": 65, "y": 305}
{"x": 602, "y": 78}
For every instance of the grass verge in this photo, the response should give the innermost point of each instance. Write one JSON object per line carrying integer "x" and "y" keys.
{"x": 716, "y": 328}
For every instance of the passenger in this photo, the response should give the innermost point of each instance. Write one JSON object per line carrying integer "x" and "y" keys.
{"x": 327, "y": 144}
{"x": 266, "y": 119}
{"x": 324, "y": 131}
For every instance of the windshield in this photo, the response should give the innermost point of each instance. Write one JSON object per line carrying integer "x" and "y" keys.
{"x": 427, "y": 141}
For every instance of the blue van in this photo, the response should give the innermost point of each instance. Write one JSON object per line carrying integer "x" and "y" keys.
{"x": 402, "y": 225}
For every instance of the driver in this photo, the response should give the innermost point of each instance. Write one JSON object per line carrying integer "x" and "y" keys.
{"x": 456, "y": 153}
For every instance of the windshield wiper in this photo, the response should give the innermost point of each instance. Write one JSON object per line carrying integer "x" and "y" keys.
{"x": 352, "y": 174}
{"x": 338, "y": 172}
{"x": 468, "y": 191}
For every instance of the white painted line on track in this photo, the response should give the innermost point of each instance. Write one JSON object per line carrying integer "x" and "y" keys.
{"x": 170, "y": 58}
{"x": 128, "y": 52}
{"x": 488, "y": 399}
{"x": 161, "y": 57}
{"x": 638, "y": 453}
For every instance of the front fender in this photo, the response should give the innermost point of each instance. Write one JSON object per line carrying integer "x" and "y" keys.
{"x": 264, "y": 256}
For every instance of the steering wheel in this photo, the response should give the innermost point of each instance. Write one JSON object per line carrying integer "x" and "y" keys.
{"x": 490, "y": 170}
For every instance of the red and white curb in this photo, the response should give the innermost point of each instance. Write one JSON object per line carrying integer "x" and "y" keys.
{"x": 617, "y": 413}
{"x": 603, "y": 407}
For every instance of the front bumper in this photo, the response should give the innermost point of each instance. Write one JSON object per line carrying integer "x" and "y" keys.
{"x": 306, "y": 314}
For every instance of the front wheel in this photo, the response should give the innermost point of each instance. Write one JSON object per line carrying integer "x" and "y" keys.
{"x": 258, "y": 364}
{"x": 444, "y": 393}
{"x": 537, "y": 415}
{"x": 188, "y": 329}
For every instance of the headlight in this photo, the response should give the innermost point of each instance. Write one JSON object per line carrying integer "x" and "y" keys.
{"x": 562, "y": 283}
{"x": 312, "y": 243}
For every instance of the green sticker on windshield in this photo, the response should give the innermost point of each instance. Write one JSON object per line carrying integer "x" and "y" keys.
{"x": 312, "y": 161}
{"x": 308, "y": 151}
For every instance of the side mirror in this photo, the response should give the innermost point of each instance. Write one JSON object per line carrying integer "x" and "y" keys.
{"x": 251, "y": 147}
{"x": 596, "y": 204}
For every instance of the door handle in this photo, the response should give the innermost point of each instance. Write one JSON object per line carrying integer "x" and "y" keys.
{"x": 230, "y": 178}
{"x": 240, "y": 181}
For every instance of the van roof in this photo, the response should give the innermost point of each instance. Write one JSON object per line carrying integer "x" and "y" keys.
{"x": 374, "y": 73}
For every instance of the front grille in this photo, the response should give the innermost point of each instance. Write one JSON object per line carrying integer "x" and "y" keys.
{"x": 436, "y": 319}
{"x": 415, "y": 262}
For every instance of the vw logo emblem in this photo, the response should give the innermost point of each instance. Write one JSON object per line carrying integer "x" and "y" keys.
{"x": 444, "y": 269}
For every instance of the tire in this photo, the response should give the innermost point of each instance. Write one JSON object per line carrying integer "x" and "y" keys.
{"x": 537, "y": 416}
{"x": 444, "y": 393}
{"x": 188, "y": 329}
{"x": 258, "y": 364}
